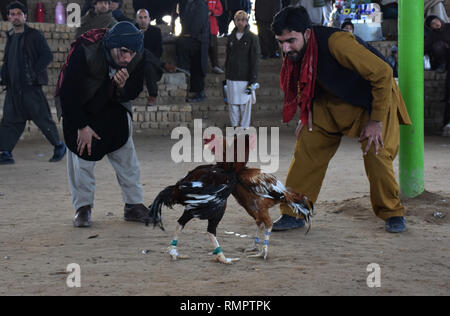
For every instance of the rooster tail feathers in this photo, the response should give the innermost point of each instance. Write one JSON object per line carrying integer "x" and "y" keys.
{"x": 154, "y": 215}
{"x": 302, "y": 206}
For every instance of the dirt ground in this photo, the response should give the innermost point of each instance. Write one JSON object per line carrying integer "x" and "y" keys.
{"x": 38, "y": 241}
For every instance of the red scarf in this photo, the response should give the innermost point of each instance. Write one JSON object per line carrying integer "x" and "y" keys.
{"x": 90, "y": 37}
{"x": 298, "y": 83}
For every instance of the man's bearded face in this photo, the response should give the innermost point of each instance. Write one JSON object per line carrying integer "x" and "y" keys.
{"x": 293, "y": 44}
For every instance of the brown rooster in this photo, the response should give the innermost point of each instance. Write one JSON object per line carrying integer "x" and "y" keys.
{"x": 257, "y": 192}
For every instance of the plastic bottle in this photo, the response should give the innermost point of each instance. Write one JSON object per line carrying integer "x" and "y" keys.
{"x": 60, "y": 14}
{"x": 40, "y": 12}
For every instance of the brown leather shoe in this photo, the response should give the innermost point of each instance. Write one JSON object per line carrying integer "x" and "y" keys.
{"x": 135, "y": 213}
{"x": 83, "y": 217}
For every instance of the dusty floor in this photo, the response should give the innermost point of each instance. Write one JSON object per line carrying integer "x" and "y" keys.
{"x": 37, "y": 240}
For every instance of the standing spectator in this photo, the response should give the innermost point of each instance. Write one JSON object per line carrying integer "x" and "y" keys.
{"x": 437, "y": 45}
{"x": 100, "y": 80}
{"x": 192, "y": 45}
{"x": 437, "y": 42}
{"x": 215, "y": 10}
{"x": 24, "y": 72}
{"x": 241, "y": 64}
{"x": 265, "y": 10}
{"x": 153, "y": 44}
{"x": 97, "y": 18}
{"x": 224, "y": 19}
{"x": 152, "y": 34}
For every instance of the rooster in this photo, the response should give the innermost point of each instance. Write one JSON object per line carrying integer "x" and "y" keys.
{"x": 257, "y": 192}
{"x": 203, "y": 193}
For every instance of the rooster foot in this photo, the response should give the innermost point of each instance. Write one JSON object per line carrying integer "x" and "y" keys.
{"x": 222, "y": 259}
{"x": 262, "y": 254}
{"x": 173, "y": 252}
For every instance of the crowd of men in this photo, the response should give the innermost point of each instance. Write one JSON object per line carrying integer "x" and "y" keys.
{"x": 350, "y": 84}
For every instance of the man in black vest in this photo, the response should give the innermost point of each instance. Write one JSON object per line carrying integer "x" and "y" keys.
{"x": 24, "y": 72}
{"x": 343, "y": 87}
{"x": 99, "y": 82}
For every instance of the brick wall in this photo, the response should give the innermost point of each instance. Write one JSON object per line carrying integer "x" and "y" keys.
{"x": 447, "y": 5}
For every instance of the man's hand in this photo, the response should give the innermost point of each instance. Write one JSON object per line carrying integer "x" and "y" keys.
{"x": 121, "y": 77}
{"x": 373, "y": 132}
{"x": 300, "y": 125}
{"x": 85, "y": 140}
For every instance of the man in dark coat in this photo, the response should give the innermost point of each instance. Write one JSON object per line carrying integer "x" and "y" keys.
{"x": 265, "y": 10}
{"x": 437, "y": 45}
{"x": 24, "y": 72}
{"x": 192, "y": 45}
{"x": 100, "y": 80}
{"x": 152, "y": 43}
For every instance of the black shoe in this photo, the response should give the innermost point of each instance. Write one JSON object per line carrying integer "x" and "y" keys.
{"x": 83, "y": 217}
{"x": 286, "y": 222}
{"x": 6, "y": 158}
{"x": 198, "y": 97}
{"x": 59, "y": 153}
{"x": 396, "y": 225}
{"x": 136, "y": 213}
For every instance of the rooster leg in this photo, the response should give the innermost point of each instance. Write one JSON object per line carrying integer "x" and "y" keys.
{"x": 256, "y": 242}
{"x": 220, "y": 257}
{"x": 265, "y": 249}
{"x": 173, "y": 251}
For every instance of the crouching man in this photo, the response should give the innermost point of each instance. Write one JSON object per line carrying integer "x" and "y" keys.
{"x": 103, "y": 73}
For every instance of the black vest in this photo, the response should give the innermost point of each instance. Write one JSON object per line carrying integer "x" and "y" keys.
{"x": 344, "y": 83}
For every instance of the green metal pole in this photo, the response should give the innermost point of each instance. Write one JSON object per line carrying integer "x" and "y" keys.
{"x": 411, "y": 81}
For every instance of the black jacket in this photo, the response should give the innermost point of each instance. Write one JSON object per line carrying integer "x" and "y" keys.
{"x": 89, "y": 98}
{"x": 242, "y": 60}
{"x": 37, "y": 56}
{"x": 153, "y": 40}
{"x": 342, "y": 82}
{"x": 194, "y": 16}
